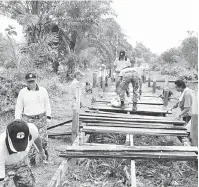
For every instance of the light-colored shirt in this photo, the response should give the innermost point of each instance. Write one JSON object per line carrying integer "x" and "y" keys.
{"x": 6, "y": 159}
{"x": 120, "y": 64}
{"x": 73, "y": 87}
{"x": 186, "y": 102}
{"x": 32, "y": 102}
{"x": 129, "y": 70}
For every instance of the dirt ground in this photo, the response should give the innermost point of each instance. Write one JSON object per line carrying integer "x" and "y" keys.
{"x": 149, "y": 173}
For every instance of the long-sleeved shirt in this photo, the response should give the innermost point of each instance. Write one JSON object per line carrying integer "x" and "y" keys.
{"x": 32, "y": 102}
{"x": 7, "y": 159}
{"x": 120, "y": 64}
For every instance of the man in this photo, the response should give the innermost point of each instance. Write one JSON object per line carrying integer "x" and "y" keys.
{"x": 33, "y": 106}
{"x": 73, "y": 87}
{"x": 119, "y": 64}
{"x": 15, "y": 144}
{"x": 129, "y": 75}
{"x": 185, "y": 100}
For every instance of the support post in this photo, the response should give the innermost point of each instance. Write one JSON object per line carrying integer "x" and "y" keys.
{"x": 166, "y": 81}
{"x": 194, "y": 121}
{"x": 133, "y": 173}
{"x": 149, "y": 80}
{"x": 94, "y": 89}
{"x": 103, "y": 79}
{"x": 154, "y": 85}
{"x": 166, "y": 96}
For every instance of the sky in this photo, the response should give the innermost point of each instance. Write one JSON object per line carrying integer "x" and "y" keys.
{"x": 159, "y": 24}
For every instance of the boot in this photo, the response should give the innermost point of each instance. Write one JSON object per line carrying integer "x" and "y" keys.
{"x": 122, "y": 104}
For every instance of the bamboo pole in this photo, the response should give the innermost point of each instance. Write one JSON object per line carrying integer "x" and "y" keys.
{"x": 194, "y": 120}
{"x": 149, "y": 80}
{"x": 166, "y": 96}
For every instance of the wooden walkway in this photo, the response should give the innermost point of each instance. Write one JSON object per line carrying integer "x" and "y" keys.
{"x": 151, "y": 118}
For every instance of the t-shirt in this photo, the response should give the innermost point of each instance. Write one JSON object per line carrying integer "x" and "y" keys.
{"x": 122, "y": 73}
{"x": 186, "y": 102}
{"x": 121, "y": 64}
{"x": 6, "y": 158}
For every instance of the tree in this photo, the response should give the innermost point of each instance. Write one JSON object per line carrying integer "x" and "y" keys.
{"x": 169, "y": 56}
{"x": 190, "y": 50}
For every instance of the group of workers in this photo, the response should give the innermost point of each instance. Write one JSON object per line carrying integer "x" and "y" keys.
{"x": 27, "y": 134}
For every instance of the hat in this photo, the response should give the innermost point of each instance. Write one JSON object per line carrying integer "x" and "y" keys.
{"x": 122, "y": 53}
{"x": 18, "y": 135}
{"x": 30, "y": 77}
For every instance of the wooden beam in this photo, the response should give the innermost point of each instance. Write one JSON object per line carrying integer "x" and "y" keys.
{"x": 122, "y": 148}
{"x": 135, "y": 125}
{"x": 59, "y": 175}
{"x": 133, "y": 173}
{"x": 59, "y": 134}
{"x": 159, "y": 132}
{"x": 194, "y": 120}
{"x": 141, "y": 109}
{"x": 131, "y": 155}
{"x": 129, "y": 119}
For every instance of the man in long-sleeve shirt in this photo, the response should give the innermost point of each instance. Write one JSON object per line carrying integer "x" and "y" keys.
{"x": 33, "y": 106}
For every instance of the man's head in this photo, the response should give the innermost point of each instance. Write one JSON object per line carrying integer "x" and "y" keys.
{"x": 31, "y": 80}
{"x": 180, "y": 85}
{"x": 78, "y": 75}
{"x": 18, "y": 135}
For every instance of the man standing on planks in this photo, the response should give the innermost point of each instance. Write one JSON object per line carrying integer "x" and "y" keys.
{"x": 185, "y": 100}
{"x": 15, "y": 144}
{"x": 119, "y": 64}
{"x": 33, "y": 106}
{"x": 130, "y": 75}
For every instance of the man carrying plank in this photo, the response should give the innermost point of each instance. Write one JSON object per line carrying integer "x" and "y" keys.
{"x": 130, "y": 75}
{"x": 15, "y": 143}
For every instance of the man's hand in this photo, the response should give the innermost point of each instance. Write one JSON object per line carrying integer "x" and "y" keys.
{"x": 175, "y": 106}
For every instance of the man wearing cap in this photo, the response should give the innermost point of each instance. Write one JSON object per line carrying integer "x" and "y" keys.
{"x": 33, "y": 106}
{"x": 119, "y": 64}
{"x": 15, "y": 144}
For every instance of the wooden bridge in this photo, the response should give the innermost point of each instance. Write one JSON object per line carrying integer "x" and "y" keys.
{"x": 151, "y": 118}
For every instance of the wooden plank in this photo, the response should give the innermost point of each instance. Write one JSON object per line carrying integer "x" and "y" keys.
{"x": 138, "y": 120}
{"x": 166, "y": 120}
{"x": 142, "y": 101}
{"x": 112, "y": 148}
{"x": 59, "y": 175}
{"x": 59, "y": 134}
{"x": 144, "y": 131}
{"x": 141, "y": 109}
{"x": 131, "y": 155}
{"x": 134, "y": 125}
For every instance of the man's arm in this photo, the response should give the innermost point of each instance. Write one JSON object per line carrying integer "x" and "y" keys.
{"x": 186, "y": 109}
{"x": 175, "y": 106}
{"x": 19, "y": 106}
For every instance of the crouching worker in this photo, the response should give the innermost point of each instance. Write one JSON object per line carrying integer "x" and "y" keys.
{"x": 15, "y": 144}
{"x": 130, "y": 75}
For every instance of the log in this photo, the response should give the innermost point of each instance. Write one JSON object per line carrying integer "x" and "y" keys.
{"x": 144, "y": 131}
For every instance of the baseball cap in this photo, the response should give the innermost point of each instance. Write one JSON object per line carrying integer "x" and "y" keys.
{"x": 30, "y": 77}
{"x": 18, "y": 135}
{"x": 122, "y": 53}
